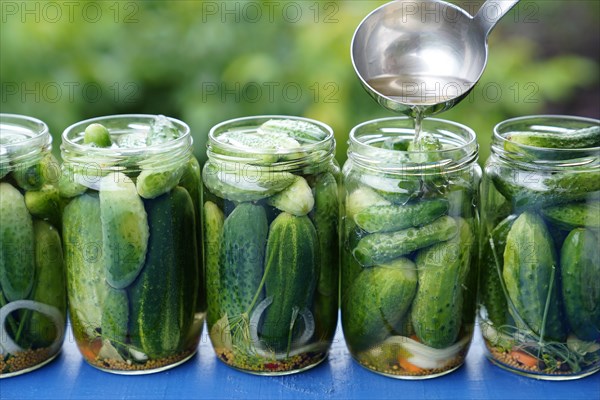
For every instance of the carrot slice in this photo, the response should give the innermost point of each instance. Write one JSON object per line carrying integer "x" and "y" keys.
{"x": 408, "y": 366}
{"x": 524, "y": 358}
{"x": 90, "y": 350}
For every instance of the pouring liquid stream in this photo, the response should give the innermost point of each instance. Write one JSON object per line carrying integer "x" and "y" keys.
{"x": 418, "y": 121}
{"x": 419, "y": 92}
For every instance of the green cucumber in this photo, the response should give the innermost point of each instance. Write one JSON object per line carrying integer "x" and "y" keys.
{"x": 242, "y": 258}
{"x": 97, "y": 135}
{"x": 362, "y": 198}
{"x": 580, "y": 272}
{"x": 163, "y": 297}
{"x": 462, "y": 199}
{"x": 352, "y": 234}
{"x": 464, "y": 243}
{"x": 575, "y": 139}
{"x": 115, "y": 316}
{"x": 530, "y": 190}
{"x": 259, "y": 140}
{"x": 394, "y": 218}
{"x": 17, "y": 266}
{"x": 84, "y": 262}
{"x": 227, "y": 181}
{"x": 192, "y": 182}
{"x": 395, "y": 143}
{"x": 297, "y": 199}
{"x": 153, "y": 182}
{"x": 67, "y": 186}
{"x": 325, "y": 217}
{"x": 238, "y": 141}
{"x": 257, "y": 147}
{"x": 299, "y": 130}
{"x": 379, "y": 248}
{"x": 49, "y": 287}
{"x": 45, "y": 204}
{"x": 531, "y": 277}
{"x": 350, "y": 270}
{"x": 378, "y": 301}
{"x": 290, "y": 277}
{"x": 213, "y": 238}
{"x": 185, "y": 220}
{"x": 124, "y": 229}
{"x": 4, "y": 169}
{"x": 579, "y": 183}
{"x": 442, "y": 272}
{"x": 494, "y": 205}
{"x": 492, "y": 295}
{"x": 574, "y": 215}
{"x": 394, "y": 189}
{"x": 426, "y": 150}
{"x": 471, "y": 275}
{"x": 35, "y": 175}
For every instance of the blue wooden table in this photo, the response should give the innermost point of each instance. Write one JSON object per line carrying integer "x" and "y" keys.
{"x": 339, "y": 377}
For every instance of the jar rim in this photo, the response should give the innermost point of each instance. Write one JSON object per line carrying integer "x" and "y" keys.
{"x": 472, "y": 136}
{"x": 463, "y": 151}
{"x": 181, "y": 126}
{"x": 213, "y": 138}
{"x": 40, "y": 136}
{"x": 533, "y": 157}
{"x": 502, "y": 140}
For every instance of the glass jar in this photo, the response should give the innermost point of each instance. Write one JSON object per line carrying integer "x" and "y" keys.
{"x": 271, "y": 250}
{"x": 33, "y": 295}
{"x": 540, "y": 258}
{"x": 409, "y": 246}
{"x": 131, "y": 192}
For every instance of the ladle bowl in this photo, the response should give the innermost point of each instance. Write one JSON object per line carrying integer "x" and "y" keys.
{"x": 423, "y": 55}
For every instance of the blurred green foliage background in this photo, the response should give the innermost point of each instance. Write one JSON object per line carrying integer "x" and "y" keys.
{"x": 208, "y": 61}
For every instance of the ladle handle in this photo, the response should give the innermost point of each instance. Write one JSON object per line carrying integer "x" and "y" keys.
{"x": 491, "y": 12}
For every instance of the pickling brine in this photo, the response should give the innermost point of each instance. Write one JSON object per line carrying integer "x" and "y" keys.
{"x": 271, "y": 214}
{"x": 130, "y": 188}
{"x": 540, "y": 259}
{"x": 409, "y": 246}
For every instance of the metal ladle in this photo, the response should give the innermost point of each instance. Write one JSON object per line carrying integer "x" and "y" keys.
{"x": 423, "y": 56}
